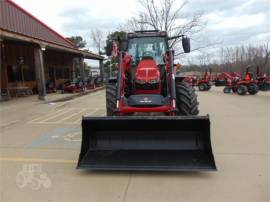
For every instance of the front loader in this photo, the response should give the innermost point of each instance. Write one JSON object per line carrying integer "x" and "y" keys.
{"x": 151, "y": 122}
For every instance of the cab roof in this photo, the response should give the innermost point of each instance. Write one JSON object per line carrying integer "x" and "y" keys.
{"x": 147, "y": 33}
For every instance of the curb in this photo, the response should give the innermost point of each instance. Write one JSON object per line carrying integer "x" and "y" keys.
{"x": 70, "y": 97}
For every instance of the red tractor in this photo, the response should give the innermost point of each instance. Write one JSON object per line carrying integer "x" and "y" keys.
{"x": 131, "y": 137}
{"x": 191, "y": 80}
{"x": 248, "y": 84}
{"x": 263, "y": 80}
{"x": 205, "y": 83}
{"x": 74, "y": 86}
{"x": 221, "y": 79}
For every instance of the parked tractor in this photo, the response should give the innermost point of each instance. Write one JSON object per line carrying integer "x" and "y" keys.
{"x": 205, "y": 83}
{"x": 221, "y": 79}
{"x": 74, "y": 86}
{"x": 191, "y": 80}
{"x": 152, "y": 121}
{"x": 94, "y": 80}
{"x": 263, "y": 80}
{"x": 242, "y": 87}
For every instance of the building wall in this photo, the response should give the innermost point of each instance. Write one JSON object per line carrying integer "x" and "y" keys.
{"x": 19, "y": 65}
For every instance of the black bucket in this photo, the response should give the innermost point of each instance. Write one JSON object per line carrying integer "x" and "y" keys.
{"x": 161, "y": 143}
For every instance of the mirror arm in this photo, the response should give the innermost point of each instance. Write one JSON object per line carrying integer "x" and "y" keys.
{"x": 176, "y": 37}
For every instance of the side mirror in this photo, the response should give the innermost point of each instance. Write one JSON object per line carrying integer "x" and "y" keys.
{"x": 186, "y": 44}
{"x": 109, "y": 47}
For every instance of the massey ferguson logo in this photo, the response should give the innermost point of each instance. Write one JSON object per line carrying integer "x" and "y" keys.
{"x": 145, "y": 100}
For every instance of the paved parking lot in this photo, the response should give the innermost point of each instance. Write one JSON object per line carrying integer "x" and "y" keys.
{"x": 40, "y": 144}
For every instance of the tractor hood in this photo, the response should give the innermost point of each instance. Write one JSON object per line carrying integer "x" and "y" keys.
{"x": 147, "y": 72}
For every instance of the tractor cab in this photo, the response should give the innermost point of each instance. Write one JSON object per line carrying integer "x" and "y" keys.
{"x": 148, "y": 65}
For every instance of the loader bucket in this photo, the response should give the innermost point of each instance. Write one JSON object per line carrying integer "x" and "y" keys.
{"x": 161, "y": 143}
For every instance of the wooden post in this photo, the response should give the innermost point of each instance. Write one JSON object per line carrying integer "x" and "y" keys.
{"x": 81, "y": 69}
{"x": 74, "y": 66}
{"x": 101, "y": 70}
{"x": 40, "y": 74}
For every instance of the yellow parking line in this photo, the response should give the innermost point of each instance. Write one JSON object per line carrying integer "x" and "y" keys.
{"x": 36, "y": 160}
{"x": 46, "y": 115}
{"x": 56, "y": 115}
{"x": 70, "y": 116}
{"x": 89, "y": 114}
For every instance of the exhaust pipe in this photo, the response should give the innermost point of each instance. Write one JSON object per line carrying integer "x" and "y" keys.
{"x": 141, "y": 143}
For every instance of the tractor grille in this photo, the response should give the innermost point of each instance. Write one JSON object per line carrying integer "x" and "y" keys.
{"x": 147, "y": 86}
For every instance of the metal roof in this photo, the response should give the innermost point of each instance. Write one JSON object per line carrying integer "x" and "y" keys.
{"x": 16, "y": 19}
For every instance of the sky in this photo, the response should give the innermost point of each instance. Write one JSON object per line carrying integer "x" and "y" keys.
{"x": 229, "y": 22}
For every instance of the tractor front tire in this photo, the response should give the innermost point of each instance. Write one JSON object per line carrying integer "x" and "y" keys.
{"x": 242, "y": 90}
{"x": 227, "y": 90}
{"x": 264, "y": 86}
{"x": 186, "y": 99}
{"x": 253, "y": 89}
{"x": 202, "y": 87}
{"x": 110, "y": 99}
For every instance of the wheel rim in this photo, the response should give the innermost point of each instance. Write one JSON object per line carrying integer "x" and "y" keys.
{"x": 201, "y": 87}
{"x": 240, "y": 91}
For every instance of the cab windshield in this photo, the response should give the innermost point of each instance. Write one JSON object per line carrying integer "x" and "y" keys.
{"x": 148, "y": 47}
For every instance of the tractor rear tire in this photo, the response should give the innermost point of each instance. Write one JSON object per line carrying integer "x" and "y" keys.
{"x": 242, "y": 90}
{"x": 110, "y": 99}
{"x": 186, "y": 99}
{"x": 253, "y": 89}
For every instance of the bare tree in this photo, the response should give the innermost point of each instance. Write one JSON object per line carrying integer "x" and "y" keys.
{"x": 97, "y": 37}
{"x": 167, "y": 15}
{"x": 267, "y": 53}
{"x": 238, "y": 58}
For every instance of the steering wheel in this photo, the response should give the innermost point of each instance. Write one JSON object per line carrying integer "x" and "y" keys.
{"x": 147, "y": 54}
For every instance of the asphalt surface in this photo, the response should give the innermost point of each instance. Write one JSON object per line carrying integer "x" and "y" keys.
{"x": 40, "y": 144}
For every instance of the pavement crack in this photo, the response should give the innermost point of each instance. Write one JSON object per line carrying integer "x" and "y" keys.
{"x": 126, "y": 189}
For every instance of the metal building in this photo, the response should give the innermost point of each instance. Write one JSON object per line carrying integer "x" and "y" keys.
{"x": 32, "y": 53}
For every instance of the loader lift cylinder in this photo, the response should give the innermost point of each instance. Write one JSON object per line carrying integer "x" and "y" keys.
{"x": 173, "y": 90}
{"x": 119, "y": 80}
